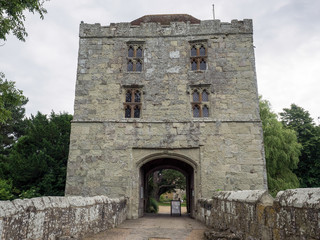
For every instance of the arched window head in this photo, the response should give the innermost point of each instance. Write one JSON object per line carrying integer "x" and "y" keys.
{"x": 138, "y": 66}
{"x": 127, "y": 112}
{"x": 202, "y": 51}
{"x": 205, "y": 96}
{"x": 203, "y": 65}
{"x": 130, "y": 52}
{"x": 137, "y": 96}
{"x": 205, "y": 111}
{"x": 193, "y": 51}
{"x": 136, "y": 112}
{"x": 128, "y": 96}
{"x": 196, "y": 96}
{"x": 130, "y": 66}
{"x": 139, "y": 52}
{"x": 196, "y": 111}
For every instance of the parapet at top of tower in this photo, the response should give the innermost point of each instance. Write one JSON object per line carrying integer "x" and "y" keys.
{"x": 166, "y": 19}
{"x": 166, "y": 25}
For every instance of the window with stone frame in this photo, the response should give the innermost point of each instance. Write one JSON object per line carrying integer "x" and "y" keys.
{"x": 132, "y": 104}
{"x": 135, "y": 56}
{"x": 198, "y": 55}
{"x": 200, "y": 102}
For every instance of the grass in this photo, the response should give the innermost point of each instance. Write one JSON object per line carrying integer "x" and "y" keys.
{"x": 169, "y": 203}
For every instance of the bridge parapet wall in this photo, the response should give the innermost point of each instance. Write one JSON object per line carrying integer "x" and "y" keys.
{"x": 293, "y": 214}
{"x": 59, "y": 217}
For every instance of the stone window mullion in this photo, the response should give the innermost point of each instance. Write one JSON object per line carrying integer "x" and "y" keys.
{"x": 134, "y": 64}
{"x": 132, "y": 110}
{"x": 135, "y": 51}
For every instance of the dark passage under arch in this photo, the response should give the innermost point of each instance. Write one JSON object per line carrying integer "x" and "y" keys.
{"x": 166, "y": 163}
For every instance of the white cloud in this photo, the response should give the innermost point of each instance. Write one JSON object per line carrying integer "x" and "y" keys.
{"x": 286, "y": 36}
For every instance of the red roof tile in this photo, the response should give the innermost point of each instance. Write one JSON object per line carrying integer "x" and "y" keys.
{"x": 165, "y": 19}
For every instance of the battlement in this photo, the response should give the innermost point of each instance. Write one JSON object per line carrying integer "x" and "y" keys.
{"x": 161, "y": 29}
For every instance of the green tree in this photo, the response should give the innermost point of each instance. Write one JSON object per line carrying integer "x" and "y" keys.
{"x": 38, "y": 160}
{"x": 5, "y": 190}
{"x": 165, "y": 180}
{"x": 281, "y": 150}
{"x": 299, "y": 120}
{"x": 12, "y": 113}
{"x": 12, "y": 126}
{"x": 12, "y": 16}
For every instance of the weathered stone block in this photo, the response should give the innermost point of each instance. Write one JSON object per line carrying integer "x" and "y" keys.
{"x": 257, "y": 215}
{"x": 59, "y": 217}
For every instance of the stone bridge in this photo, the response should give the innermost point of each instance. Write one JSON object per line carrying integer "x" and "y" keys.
{"x": 249, "y": 214}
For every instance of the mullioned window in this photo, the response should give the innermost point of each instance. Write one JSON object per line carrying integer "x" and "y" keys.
{"x": 198, "y": 56}
{"x": 135, "y": 57}
{"x": 200, "y": 103}
{"x": 132, "y": 104}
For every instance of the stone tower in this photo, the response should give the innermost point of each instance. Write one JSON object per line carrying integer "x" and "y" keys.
{"x": 165, "y": 91}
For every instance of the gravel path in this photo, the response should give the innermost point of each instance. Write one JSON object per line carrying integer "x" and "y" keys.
{"x": 166, "y": 209}
{"x": 155, "y": 227}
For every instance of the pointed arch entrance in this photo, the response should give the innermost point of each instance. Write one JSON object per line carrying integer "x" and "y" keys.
{"x": 180, "y": 163}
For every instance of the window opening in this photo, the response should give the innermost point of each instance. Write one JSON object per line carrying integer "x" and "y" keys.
{"x": 128, "y": 112}
{"x": 139, "y": 52}
{"x": 202, "y": 51}
{"x": 203, "y": 65}
{"x": 196, "y": 97}
{"x": 196, "y": 111}
{"x": 193, "y": 51}
{"x": 130, "y": 52}
{"x": 137, "y": 96}
{"x": 200, "y": 102}
{"x": 136, "y": 112}
{"x": 138, "y": 66}
{"x": 194, "y": 65}
{"x": 132, "y": 104}
{"x": 135, "y": 58}
{"x": 128, "y": 96}
{"x": 130, "y": 66}
{"x": 205, "y": 111}
{"x": 204, "y": 96}
{"x": 198, "y": 57}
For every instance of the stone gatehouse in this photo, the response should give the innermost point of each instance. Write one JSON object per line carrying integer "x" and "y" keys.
{"x": 165, "y": 91}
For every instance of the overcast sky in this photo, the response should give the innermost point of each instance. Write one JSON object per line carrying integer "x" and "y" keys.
{"x": 286, "y": 39}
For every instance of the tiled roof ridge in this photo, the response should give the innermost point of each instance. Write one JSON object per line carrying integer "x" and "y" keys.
{"x": 165, "y": 19}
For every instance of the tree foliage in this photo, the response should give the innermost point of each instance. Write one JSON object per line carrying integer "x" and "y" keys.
{"x": 12, "y": 16}
{"x": 36, "y": 164}
{"x": 165, "y": 180}
{"x": 281, "y": 150}
{"x": 299, "y": 120}
{"x": 12, "y": 112}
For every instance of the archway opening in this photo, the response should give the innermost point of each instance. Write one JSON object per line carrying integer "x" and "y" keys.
{"x": 181, "y": 177}
{"x": 163, "y": 186}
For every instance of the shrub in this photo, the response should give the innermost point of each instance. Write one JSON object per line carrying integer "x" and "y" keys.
{"x": 152, "y": 206}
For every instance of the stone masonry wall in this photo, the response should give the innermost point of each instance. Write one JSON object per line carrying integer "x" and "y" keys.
{"x": 293, "y": 214}
{"x": 224, "y": 149}
{"x": 59, "y": 217}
